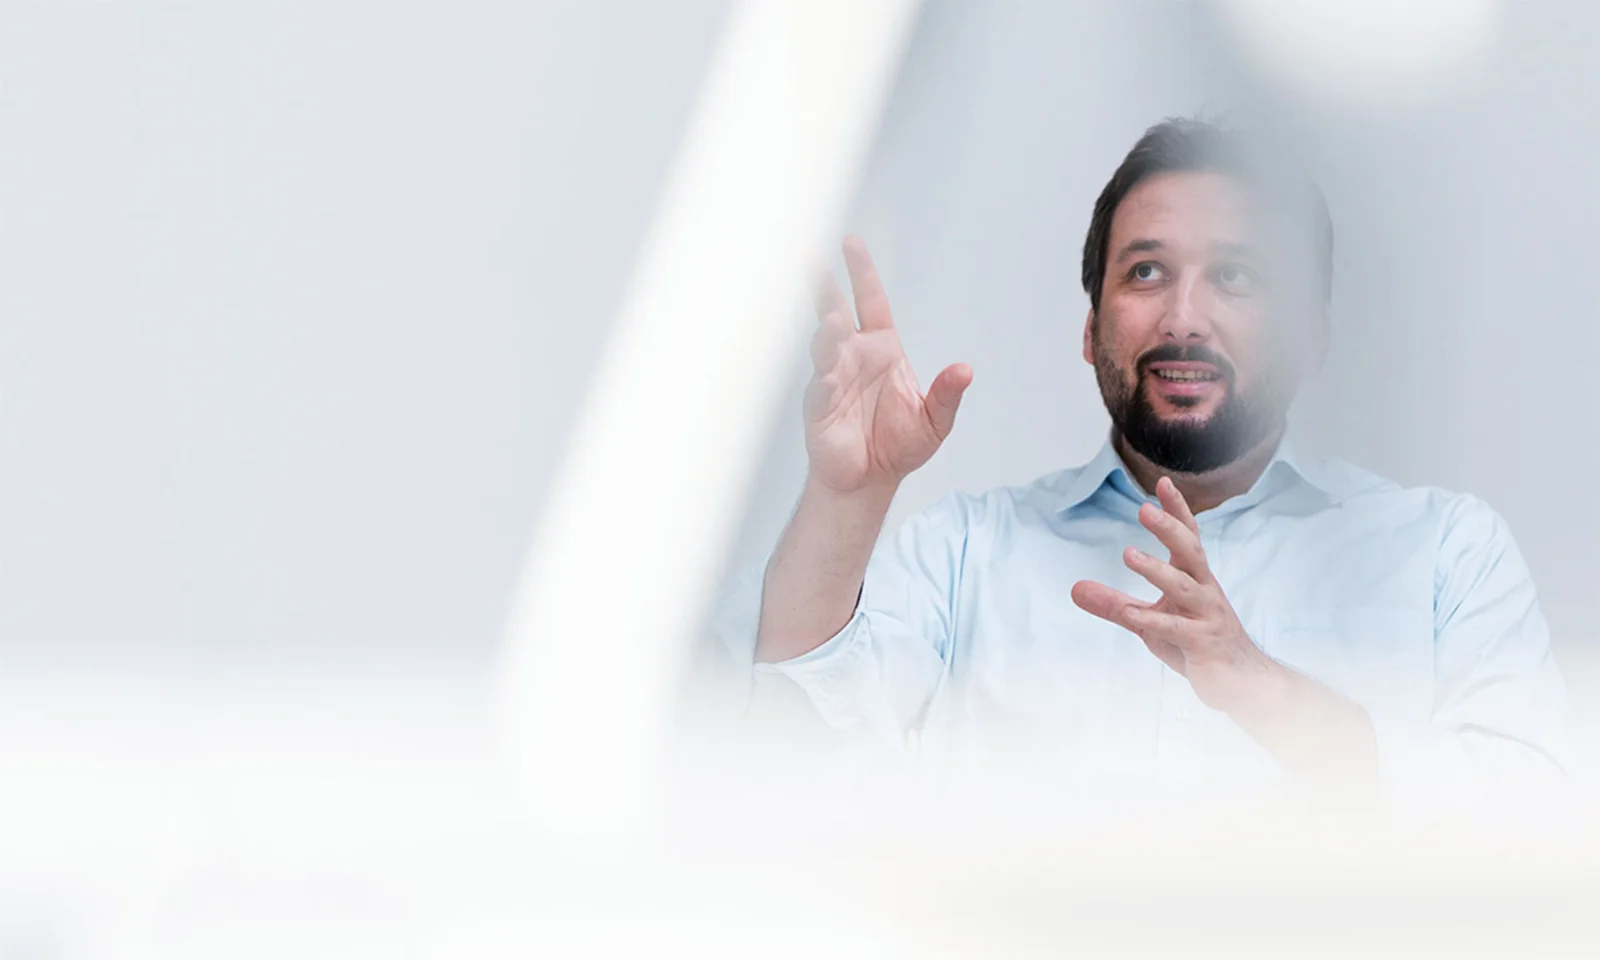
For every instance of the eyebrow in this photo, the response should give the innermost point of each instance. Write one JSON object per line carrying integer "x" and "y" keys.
{"x": 1232, "y": 249}
{"x": 1139, "y": 246}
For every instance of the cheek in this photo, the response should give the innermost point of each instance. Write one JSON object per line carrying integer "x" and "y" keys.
{"x": 1241, "y": 329}
{"x": 1110, "y": 352}
{"x": 1126, "y": 329}
{"x": 1264, "y": 344}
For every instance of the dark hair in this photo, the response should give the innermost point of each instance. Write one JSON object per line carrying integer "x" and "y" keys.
{"x": 1182, "y": 145}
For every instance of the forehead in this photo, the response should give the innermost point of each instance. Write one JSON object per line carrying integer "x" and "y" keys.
{"x": 1186, "y": 210}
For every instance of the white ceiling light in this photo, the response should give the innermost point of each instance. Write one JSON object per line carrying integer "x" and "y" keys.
{"x": 1372, "y": 53}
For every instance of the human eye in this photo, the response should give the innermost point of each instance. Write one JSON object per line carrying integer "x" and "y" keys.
{"x": 1236, "y": 278}
{"x": 1147, "y": 271}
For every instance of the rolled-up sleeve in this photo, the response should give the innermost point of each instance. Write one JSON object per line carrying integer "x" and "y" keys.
{"x": 872, "y": 680}
{"x": 1495, "y": 742}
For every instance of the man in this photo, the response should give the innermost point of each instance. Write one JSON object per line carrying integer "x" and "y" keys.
{"x": 1200, "y": 605}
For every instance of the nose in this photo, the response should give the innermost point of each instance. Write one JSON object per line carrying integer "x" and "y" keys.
{"x": 1187, "y": 318}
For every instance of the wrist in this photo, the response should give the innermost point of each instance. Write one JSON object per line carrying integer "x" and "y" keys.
{"x": 1264, "y": 695}
{"x": 1308, "y": 727}
{"x": 873, "y": 497}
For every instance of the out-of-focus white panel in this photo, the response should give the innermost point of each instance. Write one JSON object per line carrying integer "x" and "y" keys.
{"x": 638, "y": 518}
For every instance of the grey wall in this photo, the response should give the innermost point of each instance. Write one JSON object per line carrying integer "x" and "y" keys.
{"x": 295, "y": 302}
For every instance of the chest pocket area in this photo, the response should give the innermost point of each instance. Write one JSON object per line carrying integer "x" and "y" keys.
{"x": 1380, "y": 657}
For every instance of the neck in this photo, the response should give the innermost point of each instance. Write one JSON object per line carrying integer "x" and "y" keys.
{"x": 1202, "y": 491}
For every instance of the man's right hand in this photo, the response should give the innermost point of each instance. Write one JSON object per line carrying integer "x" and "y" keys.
{"x": 867, "y": 423}
{"x": 867, "y": 426}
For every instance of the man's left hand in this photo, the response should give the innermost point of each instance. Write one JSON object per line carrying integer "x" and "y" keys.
{"x": 1192, "y": 628}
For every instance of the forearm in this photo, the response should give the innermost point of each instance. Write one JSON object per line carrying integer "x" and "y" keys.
{"x": 814, "y": 578}
{"x": 1312, "y": 731}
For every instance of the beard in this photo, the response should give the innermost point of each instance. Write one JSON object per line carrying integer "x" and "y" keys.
{"x": 1183, "y": 444}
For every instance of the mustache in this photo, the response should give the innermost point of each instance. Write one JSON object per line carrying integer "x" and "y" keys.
{"x": 1178, "y": 353}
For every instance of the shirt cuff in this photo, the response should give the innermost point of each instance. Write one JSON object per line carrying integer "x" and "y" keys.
{"x": 840, "y": 677}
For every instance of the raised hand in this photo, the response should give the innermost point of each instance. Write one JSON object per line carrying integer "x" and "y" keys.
{"x": 868, "y": 424}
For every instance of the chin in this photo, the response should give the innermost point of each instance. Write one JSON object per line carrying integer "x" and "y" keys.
{"x": 1183, "y": 423}
{"x": 1185, "y": 409}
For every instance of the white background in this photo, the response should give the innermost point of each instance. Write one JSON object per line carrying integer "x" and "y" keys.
{"x": 298, "y": 299}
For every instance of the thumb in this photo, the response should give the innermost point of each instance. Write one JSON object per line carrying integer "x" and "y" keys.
{"x": 944, "y": 397}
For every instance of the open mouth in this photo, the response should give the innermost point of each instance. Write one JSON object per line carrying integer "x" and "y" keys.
{"x": 1187, "y": 376}
{"x": 1186, "y": 382}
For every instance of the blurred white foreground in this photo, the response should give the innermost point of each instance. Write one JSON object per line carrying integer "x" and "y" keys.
{"x": 341, "y": 817}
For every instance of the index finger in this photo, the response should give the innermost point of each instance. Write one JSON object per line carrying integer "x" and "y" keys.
{"x": 872, "y": 304}
{"x": 1173, "y": 502}
{"x": 1183, "y": 540}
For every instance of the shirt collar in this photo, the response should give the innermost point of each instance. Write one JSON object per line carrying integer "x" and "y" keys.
{"x": 1286, "y": 464}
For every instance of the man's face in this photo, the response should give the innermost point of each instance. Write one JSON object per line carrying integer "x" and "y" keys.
{"x": 1207, "y": 322}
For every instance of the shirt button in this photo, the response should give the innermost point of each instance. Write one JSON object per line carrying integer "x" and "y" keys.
{"x": 1182, "y": 713}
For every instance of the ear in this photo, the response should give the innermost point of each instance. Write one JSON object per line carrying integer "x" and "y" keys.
{"x": 1088, "y": 338}
{"x": 1321, "y": 336}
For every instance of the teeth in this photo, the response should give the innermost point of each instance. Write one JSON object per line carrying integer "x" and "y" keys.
{"x": 1185, "y": 375}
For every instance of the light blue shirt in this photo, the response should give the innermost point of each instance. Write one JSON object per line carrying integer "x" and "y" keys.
{"x": 966, "y": 650}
